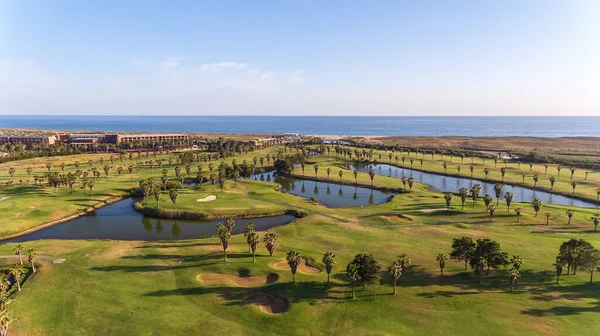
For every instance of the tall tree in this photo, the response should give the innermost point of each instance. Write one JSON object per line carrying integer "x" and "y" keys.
{"x": 329, "y": 261}
{"x": 508, "y": 197}
{"x": 462, "y": 249}
{"x": 372, "y": 175}
{"x": 395, "y": 271}
{"x": 293, "y": 260}
{"x": 590, "y": 262}
{"x": 16, "y": 271}
{"x": 518, "y": 212}
{"x": 559, "y": 265}
{"x": 173, "y": 195}
{"x": 31, "y": 254}
{"x": 498, "y": 191}
{"x": 271, "y": 241}
{"x": 513, "y": 275}
{"x": 352, "y": 272}
{"x": 224, "y": 236}
{"x": 537, "y": 205}
{"x": 253, "y": 240}
{"x": 368, "y": 269}
{"x": 441, "y": 259}
{"x": 463, "y": 193}
{"x": 448, "y": 197}
{"x": 248, "y": 230}
{"x": 552, "y": 181}
{"x": 569, "y": 214}
{"x": 19, "y": 251}
{"x": 595, "y": 220}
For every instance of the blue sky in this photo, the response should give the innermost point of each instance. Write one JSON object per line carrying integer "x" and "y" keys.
{"x": 300, "y": 57}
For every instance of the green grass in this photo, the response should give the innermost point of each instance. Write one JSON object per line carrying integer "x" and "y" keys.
{"x": 138, "y": 288}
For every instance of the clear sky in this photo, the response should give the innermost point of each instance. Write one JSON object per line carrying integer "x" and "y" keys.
{"x": 300, "y": 57}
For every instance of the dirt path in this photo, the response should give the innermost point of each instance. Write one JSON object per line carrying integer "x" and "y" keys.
{"x": 54, "y": 260}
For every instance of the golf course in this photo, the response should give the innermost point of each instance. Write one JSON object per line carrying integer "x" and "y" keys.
{"x": 177, "y": 261}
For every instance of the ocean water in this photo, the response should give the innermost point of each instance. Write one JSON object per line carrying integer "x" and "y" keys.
{"x": 542, "y": 126}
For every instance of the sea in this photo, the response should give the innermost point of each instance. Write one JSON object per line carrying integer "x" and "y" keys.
{"x": 539, "y": 126}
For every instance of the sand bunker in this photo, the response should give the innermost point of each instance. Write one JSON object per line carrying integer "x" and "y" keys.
{"x": 396, "y": 218}
{"x": 268, "y": 303}
{"x": 4, "y": 198}
{"x": 304, "y": 267}
{"x": 241, "y": 281}
{"x": 207, "y": 198}
{"x": 432, "y": 210}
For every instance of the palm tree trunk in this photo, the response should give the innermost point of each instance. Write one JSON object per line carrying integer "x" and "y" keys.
{"x": 394, "y": 292}
{"x": 441, "y": 274}
{"x": 20, "y": 258}
{"x": 511, "y": 286}
{"x": 18, "y": 283}
{"x": 33, "y": 266}
{"x": 353, "y": 292}
{"x": 225, "y": 255}
{"x": 293, "y": 277}
{"x": 328, "y": 277}
{"x": 466, "y": 264}
{"x": 557, "y": 278}
{"x": 592, "y": 275}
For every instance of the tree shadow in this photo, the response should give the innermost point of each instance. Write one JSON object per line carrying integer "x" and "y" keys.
{"x": 582, "y": 293}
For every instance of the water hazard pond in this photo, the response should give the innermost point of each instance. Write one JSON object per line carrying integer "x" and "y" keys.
{"x": 119, "y": 221}
{"x": 331, "y": 195}
{"x": 452, "y": 184}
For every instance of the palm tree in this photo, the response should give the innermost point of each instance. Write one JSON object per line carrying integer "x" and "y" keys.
{"x": 90, "y": 184}
{"x": 341, "y": 173}
{"x": 537, "y": 205}
{"x": 31, "y": 254}
{"x": 16, "y": 271}
{"x": 404, "y": 180}
{"x": 574, "y": 185}
{"x": 248, "y": 230}
{"x": 573, "y": 172}
{"x": 570, "y": 214}
{"x": 558, "y": 168}
{"x": 316, "y": 167}
{"x": 486, "y": 171}
{"x": 328, "y": 172}
{"x": 498, "y": 190}
{"x": 448, "y": 197}
{"x": 353, "y": 274}
{"x": 372, "y": 175}
{"x": 410, "y": 181}
{"x": 518, "y": 212}
{"x": 552, "y": 181}
{"x": 513, "y": 275}
{"x": 293, "y": 260}
{"x": 471, "y": 168}
{"x": 355, "y": 176}
{"x": 4, "y": 284}
{"x": 271, "y": 241}
{"x": 445, "y": 165}
{"x": 463, "y": 193}
{"x": 508, "y": 197}
{"x": 530, "y": 166}
{"x": 224, "y": 236}
{"x": 595, "y": 220}
{"x": 586, "y": 175}
{"x": 329, "y": 261}
{"x": 395, "y": 271}
{"x": 173, "y": 194}
{"x": 19, "y": 251}
{"x": 253, "y": 240}
{"x": 548, "y": 215}
{"x": 441, "y": 259}
{"x": 156, "y": 193}
{"x": 491, "y": 209}
{"x": 535, "y": 180}
{"x": 503, "y": 172}
{"x": 546, "y": 169}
